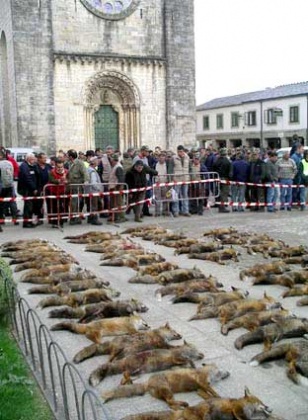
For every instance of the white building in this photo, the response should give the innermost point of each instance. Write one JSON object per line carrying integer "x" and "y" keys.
{"x": 267, "y": 118}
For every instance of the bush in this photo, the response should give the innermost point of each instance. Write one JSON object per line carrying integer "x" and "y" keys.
{"x": 6, "y": 277}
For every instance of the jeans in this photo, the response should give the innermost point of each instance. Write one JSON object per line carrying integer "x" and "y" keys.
{"x": 238, "y": 195}
{"x": 302, "y": 196}
{"x": 182, "y": 191}
{"x": 286, "y": 192}
{"x": 271, "y": 197}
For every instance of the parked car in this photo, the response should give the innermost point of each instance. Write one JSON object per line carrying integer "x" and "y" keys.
{"x": 281, "y": 151}
{"x": 19, "y": 153}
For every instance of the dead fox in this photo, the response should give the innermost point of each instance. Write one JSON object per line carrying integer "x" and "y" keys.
{"x": 151, "y": 415}
{"x": 95, "y": 330}
{"x": 157, "y": 268}
{"x": 79, "y": 298}
{"x": 220, "y": 231}
{"x": 208, "y": 284}
{"x": 218, "y": 256}
{"x": 185, "y": 242}
{"x": 199, "y": 248}
{"x": 238, "y": 308}
{"x": 92, "y": 237}
{"x": 295, "y": 353}
{"x": 276, "y": 331}
{"x": 133, "y": 261}
{"x": 67, "y": 287}
{"x": 164, "y": 385}
{"x": 148, "y": 361}
{"x": 139, "y": 229}
{"x": 287, "y": 279}
{"x": 122, "y": 253}
{"x": 48, "y": 264}
{"x": 48, "y": 271}
{"x": 61, "y": 277}
{"x": 302, "y": 302}
{"x": 179, "y": 275}
{"x": 100, "y": 310}
{"x": 248, "y": 407}
{"x": 277, "y": 267}
{"x": 217, "y": 299}
{"x": 156, "y": 338}
{"x": 21, "y": 244}
{"x": 253, "y": 320}
{"x": 295, "y": 251}
{"x": 296, "y": 291}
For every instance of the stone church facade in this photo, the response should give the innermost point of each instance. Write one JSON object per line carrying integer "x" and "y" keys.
{"x": 88, "y": 73}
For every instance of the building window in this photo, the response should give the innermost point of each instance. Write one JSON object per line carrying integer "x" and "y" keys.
{"x": 235, "y": 117}
{"x": 219, "y": 121}
{"x": 206, "y": 122}
{"x": 251, "y": 118}
{"x": 270, "y": 116}
{"x": 294, "y": 114}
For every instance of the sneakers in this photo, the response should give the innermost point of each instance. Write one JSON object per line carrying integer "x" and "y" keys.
{"x": 138, "y": 219}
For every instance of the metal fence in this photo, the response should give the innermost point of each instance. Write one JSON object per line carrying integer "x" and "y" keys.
{"x": 64, "y": 388}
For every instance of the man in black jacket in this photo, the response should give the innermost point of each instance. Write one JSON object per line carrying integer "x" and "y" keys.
{"x": 224, "y": 168}
{"x": 28, "y": 186}
{"x": 136, "y": 178}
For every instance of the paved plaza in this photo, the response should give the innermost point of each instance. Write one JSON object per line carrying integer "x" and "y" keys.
{"x": 268, "y": 382}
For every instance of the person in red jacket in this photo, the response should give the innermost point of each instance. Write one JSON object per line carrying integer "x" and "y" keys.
{"x": 57, "y": 207}
{"x": 10, "y": 158}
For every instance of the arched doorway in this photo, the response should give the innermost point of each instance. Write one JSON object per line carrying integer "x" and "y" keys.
{"x": 112, "y": 111}
{"x": 106, "y": 127}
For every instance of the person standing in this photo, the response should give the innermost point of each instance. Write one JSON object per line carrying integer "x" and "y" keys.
{"x": 7, "y": 188}
{"x": 240, "y": 175}
{"x": 180, "y": 168}
{"x": 286, "y": 172}
{"x": 43, "y": 169}
{"x": 257, "y": 175}
{"x": 116, "y": 184}
{"x": 161, "y": 201}
{"x": 198, "y": 191}
{"x": 95, "y": 186}
{"x": 57, "y": 207}
{"x": 303, "y": 180}
{"x": 28, "y": 187}
{"x": 143, "y": 155}
{"x": 224, "y": 168}
{"x": 297, "y": 156}
{"x": 77, "y": 177}
{"x": 136, "y": 178}
{"x": 271, "y": 169}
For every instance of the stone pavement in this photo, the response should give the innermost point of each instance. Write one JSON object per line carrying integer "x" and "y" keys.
{"x": 268, "y": 382}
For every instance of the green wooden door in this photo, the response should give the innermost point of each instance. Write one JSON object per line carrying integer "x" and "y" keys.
{"x": 106, "y": 127}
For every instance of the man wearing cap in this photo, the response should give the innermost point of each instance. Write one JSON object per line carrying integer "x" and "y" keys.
{"x": 257, "y": 175}
{"x": 116, "y": 183}
{"x": 223, "y": 167}
{"x": 180, "y": 168}
{"x": 136, "y": 178}
{"x": 240, "y": 175}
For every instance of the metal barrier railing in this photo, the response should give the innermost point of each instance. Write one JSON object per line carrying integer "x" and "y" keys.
{"x": 63, "y": 386}
{"x": 71, "y": 201}
{"x": 196, "y": 187}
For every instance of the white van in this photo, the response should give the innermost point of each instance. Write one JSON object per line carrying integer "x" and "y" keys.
{"x": 281, "y": 151}
{"x": 19, "y": 153}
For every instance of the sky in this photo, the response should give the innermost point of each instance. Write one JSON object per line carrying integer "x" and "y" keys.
{"x": 248, "y": 45}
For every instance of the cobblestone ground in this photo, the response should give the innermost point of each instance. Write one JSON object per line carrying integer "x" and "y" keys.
{"x": 269, "y": 383}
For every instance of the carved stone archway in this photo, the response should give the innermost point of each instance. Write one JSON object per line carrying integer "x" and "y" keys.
{"x": 117, "y": 90}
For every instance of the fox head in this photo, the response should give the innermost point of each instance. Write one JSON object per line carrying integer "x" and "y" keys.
{"x": 254, "y": 408}
{"x": 169, "y": 333}
{"x": 135, "y": 305}
{"x": 139, "y": 323}
{"x": 212, "y": 373}
{"x": 270, "y": 302}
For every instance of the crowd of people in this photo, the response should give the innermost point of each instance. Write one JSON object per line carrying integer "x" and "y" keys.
{"x": 91, "y": 183}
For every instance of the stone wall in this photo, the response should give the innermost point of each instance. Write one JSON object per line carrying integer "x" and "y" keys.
{"x": 59, "y": 45}
{"x": 32, "y": 33}
{"x": 8, "y": 112}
